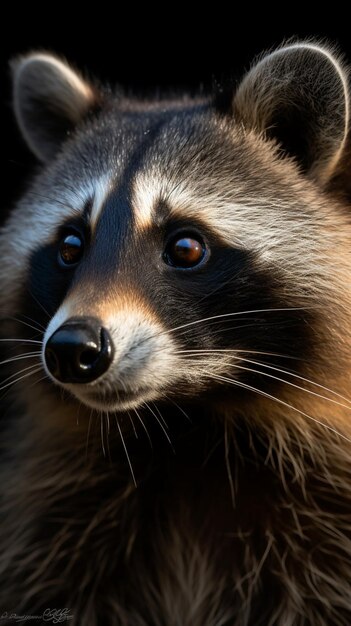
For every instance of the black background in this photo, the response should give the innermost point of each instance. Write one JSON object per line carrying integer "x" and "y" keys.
{"x": 144, "y": 50}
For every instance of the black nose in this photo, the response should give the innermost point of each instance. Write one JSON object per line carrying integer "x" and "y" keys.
{"x": 79, "y": 351}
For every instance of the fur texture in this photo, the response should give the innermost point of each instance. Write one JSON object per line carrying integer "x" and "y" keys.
{"x": 237, "y": 372}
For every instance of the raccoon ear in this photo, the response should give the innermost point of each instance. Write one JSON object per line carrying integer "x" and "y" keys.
{"x": 298, "y": 95}
{"x": 50, "y": 98}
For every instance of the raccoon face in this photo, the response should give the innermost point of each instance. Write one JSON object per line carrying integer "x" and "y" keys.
{"x": 179, "y": 248}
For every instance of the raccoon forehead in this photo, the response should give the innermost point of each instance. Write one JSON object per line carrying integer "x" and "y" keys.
{"x": 207, "y": 170}
{"x": 193, "y": 162}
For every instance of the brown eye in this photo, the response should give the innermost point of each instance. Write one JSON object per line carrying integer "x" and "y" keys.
{"x": 71, "y": 249}
{"x": 185, "y": 251}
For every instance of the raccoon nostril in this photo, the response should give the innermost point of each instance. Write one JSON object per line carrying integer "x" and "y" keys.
{"x": 88, "y": 357}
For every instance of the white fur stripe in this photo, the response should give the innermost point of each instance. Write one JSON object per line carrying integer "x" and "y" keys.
{"x": 101, "y": 190}
{"x": 146, "y": 192}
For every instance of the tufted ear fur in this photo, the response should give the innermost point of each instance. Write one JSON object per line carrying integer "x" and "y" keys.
{"x": 298, "y": 95}
{"x": 50, "y": 98}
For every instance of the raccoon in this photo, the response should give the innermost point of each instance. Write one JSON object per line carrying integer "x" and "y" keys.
{"x": 175, "y": 303}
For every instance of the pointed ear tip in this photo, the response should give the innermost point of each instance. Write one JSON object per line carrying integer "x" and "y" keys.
{"x": 40, "y": 66}
{"x": 38, "y": 58}
{"x": 323, "y": 48}
{"x": 23, "y": 62}
{"x": 29, "y": 57}
{"x": 49, "y": 98}
{"x": 307, "y": 44}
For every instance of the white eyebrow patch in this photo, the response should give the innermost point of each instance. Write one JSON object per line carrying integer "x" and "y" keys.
{"x": 101, "y": 188}
{"x": 146, "y": 191}
{"x": 151, "y": 188}
{"x": 49, "y": 208}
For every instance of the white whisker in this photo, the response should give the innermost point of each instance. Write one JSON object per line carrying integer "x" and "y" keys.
{"x": 107, "y": 423}
{"x": 159, "y": 414}
{"x": 16, "y": 340}
{"x": 234, "y": 314}
{"x": 27, "y": 355}
{"x": 45, "y": 377}
{"x": 30, "y": 319}
{"x": 40, "y": 304}
{"x": 133, "y": 425}
{"x": 160, "y": 424}
{"x": 227, "y": 463}
{"x": 179, "y": 407}
{"x": 126, "y": 451}
{"x": 38, "y": 326}
{"x": 272, "y": 367}
{"x": 17, "y": 380}
{"x": 144, "y": 427}
{"x": 102, "y": 433}
{"x": 218, "y": 317}
{"x": 271, "y": 397}
{"x": 231, "y": 351}
{"x": 16, "y": 319}
{"x": 88, "y": 433}
{"x": 287, "y": 382}
{"x": 307, "y": 380}
{"x": 25, "y": 369}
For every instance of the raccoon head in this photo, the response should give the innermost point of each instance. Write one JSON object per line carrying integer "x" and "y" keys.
{"x": 184, "y": 248}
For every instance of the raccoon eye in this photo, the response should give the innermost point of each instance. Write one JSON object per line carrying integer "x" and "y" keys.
{"x": 185, "y": 251}
{"x": 71, "y": 249}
